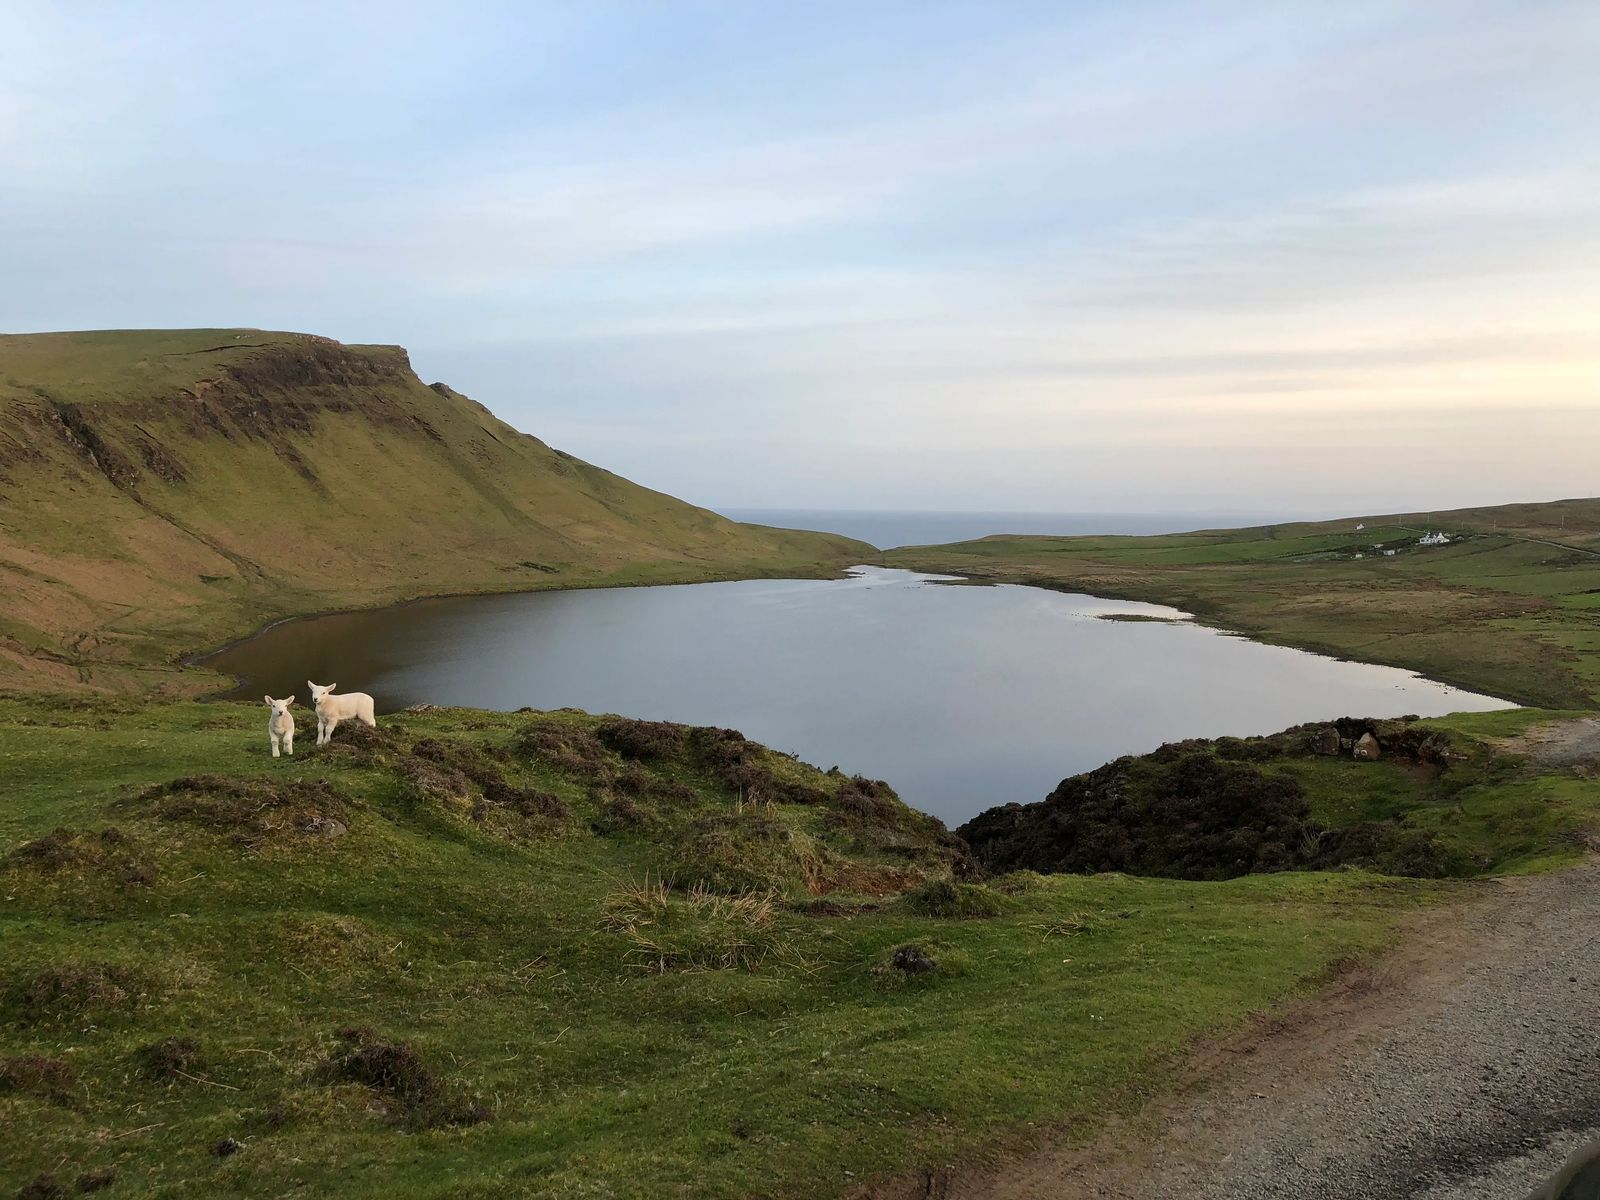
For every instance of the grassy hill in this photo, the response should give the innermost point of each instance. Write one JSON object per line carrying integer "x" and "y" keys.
{"x": 555, "y": 955}
{"x": 162, "y": 491}
{"x": 1510, "y": 607}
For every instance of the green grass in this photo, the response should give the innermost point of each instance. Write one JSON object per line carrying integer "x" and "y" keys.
{"x": 1490, "y": 812}
{"x": 628, "y": 1041}
{"x": 1511, "y": 608}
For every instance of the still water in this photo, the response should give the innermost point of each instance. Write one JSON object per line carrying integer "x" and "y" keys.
{"x": 961, "y": 697}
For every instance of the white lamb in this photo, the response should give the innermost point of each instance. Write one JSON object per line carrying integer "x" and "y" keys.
{"x": 280, "y": 725}
{"x": 332, "y": 709}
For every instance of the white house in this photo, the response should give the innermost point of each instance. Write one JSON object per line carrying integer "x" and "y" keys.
{"x": 1433, "y": 539}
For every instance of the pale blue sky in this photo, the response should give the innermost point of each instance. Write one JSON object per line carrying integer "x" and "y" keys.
{"x": 1130, "y": 256}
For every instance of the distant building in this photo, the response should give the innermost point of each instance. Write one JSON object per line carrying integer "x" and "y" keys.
{"x": 1360, "y": 527}
{"x": 1389, "y": 553}
{"x": 1433, "y": 539}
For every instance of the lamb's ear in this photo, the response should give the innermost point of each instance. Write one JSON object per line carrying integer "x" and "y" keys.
{"x": 331, "y": 686}
{"x": 288, "y": 702}
{"x": 268, "y": 699}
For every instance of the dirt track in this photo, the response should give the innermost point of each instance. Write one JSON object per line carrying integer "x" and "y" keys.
{"x": 1466, "y": 1065}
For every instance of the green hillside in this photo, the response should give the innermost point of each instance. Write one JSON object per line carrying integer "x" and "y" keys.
{"x": 554, "y": 955}
{"x": 162, "y": 491}
{"x": 1510, "y": 606}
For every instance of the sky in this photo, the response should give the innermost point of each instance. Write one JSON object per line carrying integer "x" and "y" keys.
{"x": 1126, "y": 257}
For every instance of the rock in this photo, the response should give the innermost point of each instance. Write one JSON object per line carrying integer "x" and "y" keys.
{"x": 1366, "y": 748}
{"x": 1328, "y": 741}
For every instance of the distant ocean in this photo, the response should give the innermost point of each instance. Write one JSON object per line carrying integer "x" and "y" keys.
{"x": 886, "y": 529}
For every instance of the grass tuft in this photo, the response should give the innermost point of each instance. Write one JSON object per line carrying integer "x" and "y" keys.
{"x": 694, "y": 930}
{"x": 946, "y": 899}
{"x": 39, "y": 1075}
{"x": 70, "y": 991}
{"x": 397, "y": 1072}
{"x": 746, "y": 851}
{"x": 253, "y": 811}
{"x": 170, "y": 1059}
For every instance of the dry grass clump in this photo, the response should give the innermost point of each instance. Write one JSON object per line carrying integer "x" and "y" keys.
{"x": 399, "y": 1075}
{"x": 566, "y": 747}
{"x": 746, "y": 851}
{"x": 842, "y": 874}
{"x": 320, "y": 943}
{"x": 1018, "y": 883}
{"x": 748, "y": 769}
{"x": 256, "y": 812}
{"x": 73, "y": 990}
{"x": 37, "y": 1075}
{"x": 641, "y": 739}
{"x": 44, "y": 1187}
{"x": 361, "y": 745}
{"x": 694, "y": 930}
{"x": 946, "y": 899}
{"x": 918, "y": 964}
{"x": 871, "y": 814}
{"x": 471, "y": 780}
{"x": 169, "y": 1059}
{"x": 110, "y": 853}
{"x": 642, "y": 801}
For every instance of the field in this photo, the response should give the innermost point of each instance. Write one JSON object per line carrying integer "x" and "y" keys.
{"x": 1511, "y": 607}
{"x": 442, "y": 961}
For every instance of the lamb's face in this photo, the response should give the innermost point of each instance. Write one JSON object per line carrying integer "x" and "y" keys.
{"x": 280, "y": 708}
{"x": 319, "y": 690}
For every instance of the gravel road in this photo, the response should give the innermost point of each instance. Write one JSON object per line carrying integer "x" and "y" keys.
{"x": 1464, "y": 1065}
{"x": 1483, "y": 1097}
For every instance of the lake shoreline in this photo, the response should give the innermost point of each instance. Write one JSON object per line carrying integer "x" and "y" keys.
{"x": 199, "y": 659}
{"x": 856, "y": 670}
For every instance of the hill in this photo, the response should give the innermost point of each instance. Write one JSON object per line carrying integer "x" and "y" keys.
{"x": 162, "y": 491}
{"x": 1510, "y": 606}
{"x": 555, "y": 955}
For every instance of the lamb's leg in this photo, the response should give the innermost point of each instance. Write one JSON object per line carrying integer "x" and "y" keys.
{"x": 333, "y": 723}
{"x": 322, "y": 729}
{"x": 273, "y": 738}
{"x": 288, "y": 743}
